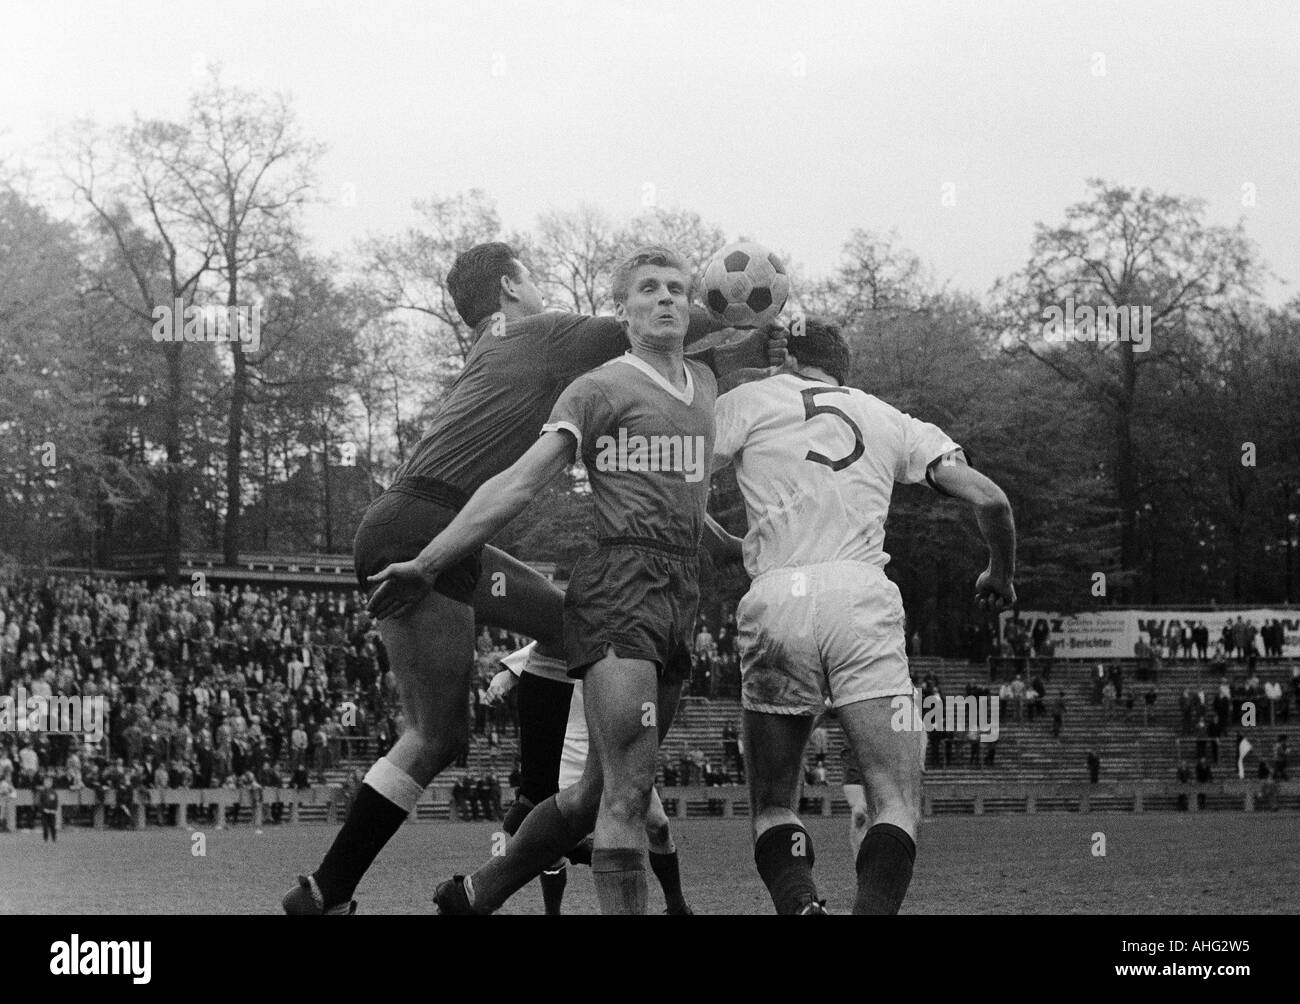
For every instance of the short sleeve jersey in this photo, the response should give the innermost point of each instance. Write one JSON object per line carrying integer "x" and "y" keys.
{"x": 511, "y": 380}
{"x": 647, "y": 448}
{"x": 816, "y": 464}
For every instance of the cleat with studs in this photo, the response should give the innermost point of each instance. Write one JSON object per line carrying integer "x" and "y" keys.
{"x": 305, "y": 900}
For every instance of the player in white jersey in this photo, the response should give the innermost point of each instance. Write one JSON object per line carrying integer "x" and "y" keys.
{"x": 817, "y": 463}
{"x": 573, "y": 761}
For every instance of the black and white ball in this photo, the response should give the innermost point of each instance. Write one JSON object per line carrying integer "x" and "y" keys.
{"x": 745, "y": 285}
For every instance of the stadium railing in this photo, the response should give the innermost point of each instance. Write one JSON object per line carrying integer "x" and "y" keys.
{"x": 226, "y": 806}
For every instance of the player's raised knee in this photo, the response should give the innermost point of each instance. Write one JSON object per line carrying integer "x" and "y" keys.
{"x": 657, "y": 832}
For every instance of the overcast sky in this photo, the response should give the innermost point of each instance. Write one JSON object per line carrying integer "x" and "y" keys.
{"x": 790, "y": 122}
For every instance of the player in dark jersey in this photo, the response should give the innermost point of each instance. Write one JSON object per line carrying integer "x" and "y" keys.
{"x": 639, "y": 423}
{"x": 521, "y": 361}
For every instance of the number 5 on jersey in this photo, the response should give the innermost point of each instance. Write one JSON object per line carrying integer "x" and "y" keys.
{"x": 811, "y": 409}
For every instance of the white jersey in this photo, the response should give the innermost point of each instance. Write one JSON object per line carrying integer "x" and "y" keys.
{"x": 817, "y": 464}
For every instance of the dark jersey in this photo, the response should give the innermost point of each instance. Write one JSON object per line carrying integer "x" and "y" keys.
{"x": 511, "y": 380}
{"x": 647, "y": 448}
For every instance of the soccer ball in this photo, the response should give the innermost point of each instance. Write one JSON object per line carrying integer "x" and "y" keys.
{"x": 745, "y": 285}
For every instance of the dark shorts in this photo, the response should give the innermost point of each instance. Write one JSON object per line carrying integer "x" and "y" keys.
{"x": 639, "y": 597}
{"x": 401, "y": 522}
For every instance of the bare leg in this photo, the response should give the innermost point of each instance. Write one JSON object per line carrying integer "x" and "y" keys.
{"x": 775, "y": 744}
{"x": 861, "y": 818}
{"x": 663, "y": 856}
{"x": 783, "y": 849}
{"x": 890, "y": 761}
{"x": 622, "y": 698}
{"x": 430, "y": 650}
{"x": 554, "y": 827}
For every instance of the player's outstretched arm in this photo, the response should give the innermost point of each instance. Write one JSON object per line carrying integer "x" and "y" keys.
{"x": 496, "y": 503}
{"x": 951, "y": 474}
{"x": 736, "y": 356}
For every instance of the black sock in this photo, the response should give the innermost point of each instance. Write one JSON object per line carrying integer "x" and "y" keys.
{"x": 553, "y": 883}
{"x": 670, "y": 880}
{"x": 884, "y": 866}
{"x": 516, "y": 815}
{"x": 542, "y": 840}
{"x": 784, "y": 855}
{"x": 580, "y": 853}
{"x": 371, "y": 823}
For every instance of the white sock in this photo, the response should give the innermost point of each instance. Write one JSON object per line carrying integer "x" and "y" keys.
{"x": 394, "y": 784}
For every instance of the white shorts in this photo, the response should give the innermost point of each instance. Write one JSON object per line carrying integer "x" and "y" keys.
{"x": 573, "y": 758}
{"x": 811, "y": 632}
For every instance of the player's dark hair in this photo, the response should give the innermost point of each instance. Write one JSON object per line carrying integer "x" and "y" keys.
{"x": 822, "y": 345}
{"x": 650, "y": 254}
{"x": 475, "y": 280}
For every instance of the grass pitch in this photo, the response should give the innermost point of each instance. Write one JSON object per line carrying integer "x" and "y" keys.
{"x": 1153, "y": 863}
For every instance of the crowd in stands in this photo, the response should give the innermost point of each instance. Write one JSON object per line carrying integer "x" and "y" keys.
{"x": 204, "y": 688}
{"x": 236, "y": 687}
{"x": 715, "y": 662}
{"x": 1239, "y": 640}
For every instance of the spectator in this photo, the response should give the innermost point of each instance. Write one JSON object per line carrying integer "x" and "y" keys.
{"x": 1201, "y": 638}
{"x": 1018, "y": 695}
{"x": 48, "y": 804}
{"x": 1268, "y": 788}
{"x": 472, "y": 795}
{"x": 1184, "y": 774}
{"x": 1094, "y": 766}
{"x": 483, "y": 792}
{"x": 299, "y": 745}
{"x": 459, "y": 809}
{"x": 1273, "y": 694}
{"x": 1058, "y": 714}
{"x": 1244, "y": 746}
{"x": 1108, "y": 699}
{"x": 1219, "y": 661}
{"x": 703, "y": 640}
{"x": 819, "y": 742}
{"x": 8, "y": 795}
{"x": 698, "y": 764}
{"x": 731, "y": 757}
{"x": 1281, "y": 759}
{"x": 1149, "y": 704}
{"x": 1203, "y": 776}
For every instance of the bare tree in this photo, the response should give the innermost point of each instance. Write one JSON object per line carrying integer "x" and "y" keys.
{"x": 244, "y": 173}
{"x": 1123, "y": 249}
{"x": 409, "y": 271}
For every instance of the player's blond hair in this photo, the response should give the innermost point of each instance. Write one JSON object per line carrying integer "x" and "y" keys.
{"x": 651, "y": 254}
